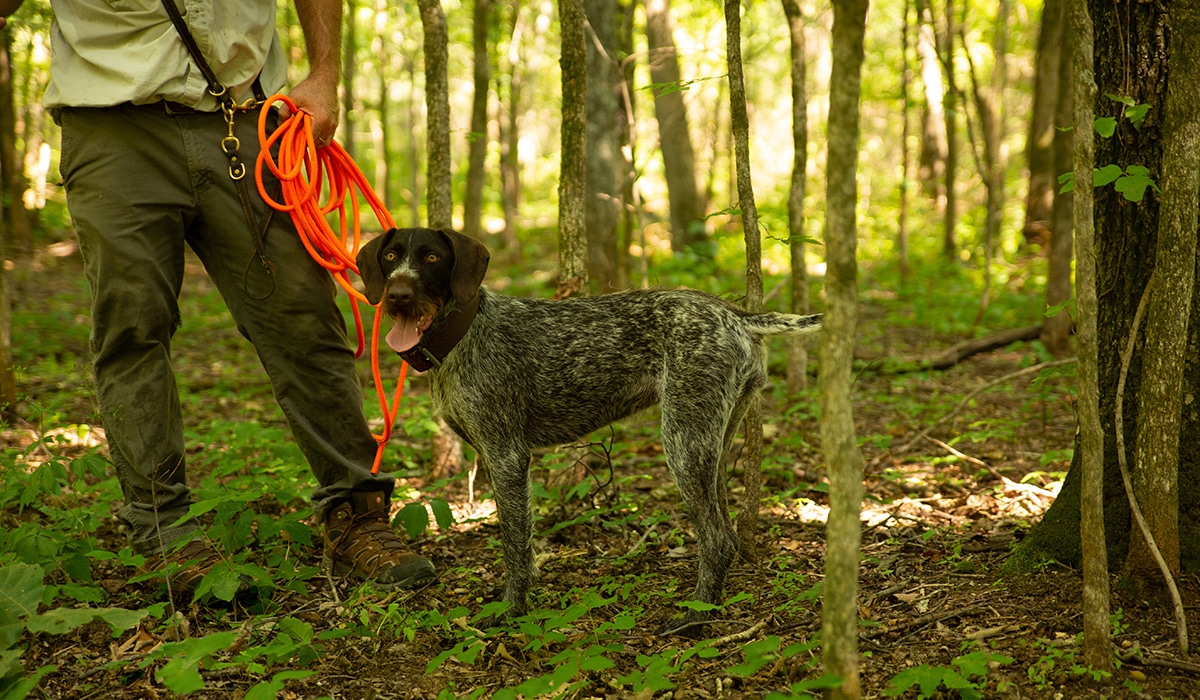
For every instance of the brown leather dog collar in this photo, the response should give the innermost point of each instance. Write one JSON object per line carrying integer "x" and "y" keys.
{"x": 438, "y": 341}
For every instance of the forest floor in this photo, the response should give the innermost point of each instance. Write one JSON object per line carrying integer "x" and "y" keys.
{"x": 615, "y": 548}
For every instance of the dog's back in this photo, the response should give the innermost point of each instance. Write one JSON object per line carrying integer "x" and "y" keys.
{"x": 557, "y": 370}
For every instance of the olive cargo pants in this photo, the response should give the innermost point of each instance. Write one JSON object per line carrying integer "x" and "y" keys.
{"x": 141, "y": 184}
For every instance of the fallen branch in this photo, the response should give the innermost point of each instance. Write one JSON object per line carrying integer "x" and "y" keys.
{"x": 741, "y": 636}
{"x": 1009, "y": 484}
{"x": 1163, "y": 662}
{"x": 926, "y": 619}
{"x": 957, "y": 353}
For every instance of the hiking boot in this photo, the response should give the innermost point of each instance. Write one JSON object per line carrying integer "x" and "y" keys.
{"x": 183, "y": 568}
{"x": 359, "y": 540}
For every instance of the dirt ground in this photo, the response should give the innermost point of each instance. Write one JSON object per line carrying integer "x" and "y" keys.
{"x": 937, "y": 528}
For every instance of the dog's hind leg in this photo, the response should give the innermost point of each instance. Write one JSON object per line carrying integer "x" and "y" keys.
{"x": 693, "y": 434}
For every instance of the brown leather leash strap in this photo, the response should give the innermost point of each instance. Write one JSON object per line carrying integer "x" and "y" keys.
{"x": 230, "y": 145}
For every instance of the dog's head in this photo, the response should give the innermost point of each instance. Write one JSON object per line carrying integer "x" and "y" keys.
{"x": 416, "y": 272}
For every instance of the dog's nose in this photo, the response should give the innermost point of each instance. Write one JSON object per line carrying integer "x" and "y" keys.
{"x": 400, "y": 292}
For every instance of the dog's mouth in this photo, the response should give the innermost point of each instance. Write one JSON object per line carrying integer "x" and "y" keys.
{"x": 406, "y": 332}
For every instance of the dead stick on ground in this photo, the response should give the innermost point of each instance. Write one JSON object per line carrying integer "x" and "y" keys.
{"x": 740, "y": 636}
{"x": 926, "y": 619}
{"x": 1009, "y": 484}
{"x": 1180, "y": 616}
{"x": 966, "y": 399}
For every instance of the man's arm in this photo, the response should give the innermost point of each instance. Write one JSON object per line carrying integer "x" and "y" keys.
{"x": 7, "y": 7}
{"x": 321, "y": 22}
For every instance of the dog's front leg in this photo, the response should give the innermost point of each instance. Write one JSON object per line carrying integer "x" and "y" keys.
{"x": 510, "y": 483}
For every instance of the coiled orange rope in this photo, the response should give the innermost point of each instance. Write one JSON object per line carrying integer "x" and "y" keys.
{"x": 306, "y": 173}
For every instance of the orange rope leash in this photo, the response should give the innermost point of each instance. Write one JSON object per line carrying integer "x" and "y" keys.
{"x": 306, "y": 172}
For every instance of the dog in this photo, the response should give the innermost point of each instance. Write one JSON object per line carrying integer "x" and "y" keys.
{"x": 511, "y": 374}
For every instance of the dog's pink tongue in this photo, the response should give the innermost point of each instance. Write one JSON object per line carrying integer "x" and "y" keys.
{"x": 405, "y": 335}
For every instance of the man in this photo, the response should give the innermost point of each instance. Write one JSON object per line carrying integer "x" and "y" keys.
{"x": 145, "y": 163}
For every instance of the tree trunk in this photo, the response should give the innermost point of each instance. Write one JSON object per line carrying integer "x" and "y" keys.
{"x": 797, "y": 367}
{"x": 572, "y": 182}
{"x": 477, "y": 139}
{"x": 349, "y": 71}
{"x": 438, "y": 199}
{"x": 950, "y": 213}
{"x": 14, "y": 222}
{"x": 1057, "y": 329}
{"x": 747, "y": 523}
{"x": 510, "y": 132}
{"x": 931, "y": 170}
{"x": 1125, "y": 244}
{"x": 604, "y": 164}
{"x": 989, "y": 104}
{"x": 1041, "y": 143}
{"x": 905, "y": 81}
{"x": 839, "y": 614}
{"x": 679, "y": 160}
{"x": 626, "y": 122}
{"x": 12, "y": 172}
{"x": 414, "y": 148}
{"x": 386, "y": 183}
{"x": 1078, "y": 82}
{"x": 1161, "y": 396}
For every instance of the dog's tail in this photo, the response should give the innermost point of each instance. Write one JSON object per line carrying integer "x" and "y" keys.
{"x": 771, "y": 323}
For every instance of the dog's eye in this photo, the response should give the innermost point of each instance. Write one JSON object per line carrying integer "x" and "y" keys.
{"x": 432, "y": 258}
{"x": 390, "y": 256}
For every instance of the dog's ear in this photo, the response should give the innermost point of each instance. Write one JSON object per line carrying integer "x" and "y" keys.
{"x": 470, "y": 265}
{"x": 369, "y": 267}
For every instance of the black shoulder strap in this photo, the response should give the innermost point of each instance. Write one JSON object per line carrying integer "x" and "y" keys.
{"x": 214, "y": 84}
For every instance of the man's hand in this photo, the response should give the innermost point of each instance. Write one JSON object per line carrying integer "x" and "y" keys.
{"x": 317, "y": 95}
{"x": 321, "y": 22}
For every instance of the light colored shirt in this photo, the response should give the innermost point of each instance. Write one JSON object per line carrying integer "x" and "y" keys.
{"x": 107, "y": 52}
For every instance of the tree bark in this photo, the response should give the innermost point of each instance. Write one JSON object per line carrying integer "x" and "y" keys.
{"x": 14, "y": 222}
{"x": 747, "y": 524}
{"x": 438, "y": 200}
{"x": 1040, "y": 144}
{"x": 905, "y": 130}
{"x": 797, "y": 367}
{"x": 412, "y": 119}
{"x": 1161, "y": 397}
{"x": 12, "y": 171}
{"x": 572, "y": 183}
{"x": 604, "y": 163}
{"x": 1057, "y": 329}
{"x": 626, "y": 123}
{"x": 679, "y": 160}
{"x": 1125, "y": 257}
{"x": 1096, "y": 640}
{"x": 950, "y": 213}
{"x": 477, "y": 139}
{"x": 839, "y": 613}
{"x": 510, "y": 130}
{"x": 387, "y": 183}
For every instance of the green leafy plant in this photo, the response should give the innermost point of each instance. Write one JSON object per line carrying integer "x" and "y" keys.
{"x": 22, "y": 590}
{"x": 960, "y": 676}
{"x": 1131, "y": 181}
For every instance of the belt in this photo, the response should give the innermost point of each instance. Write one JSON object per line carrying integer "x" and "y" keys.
{"x": 177, "y": 108}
